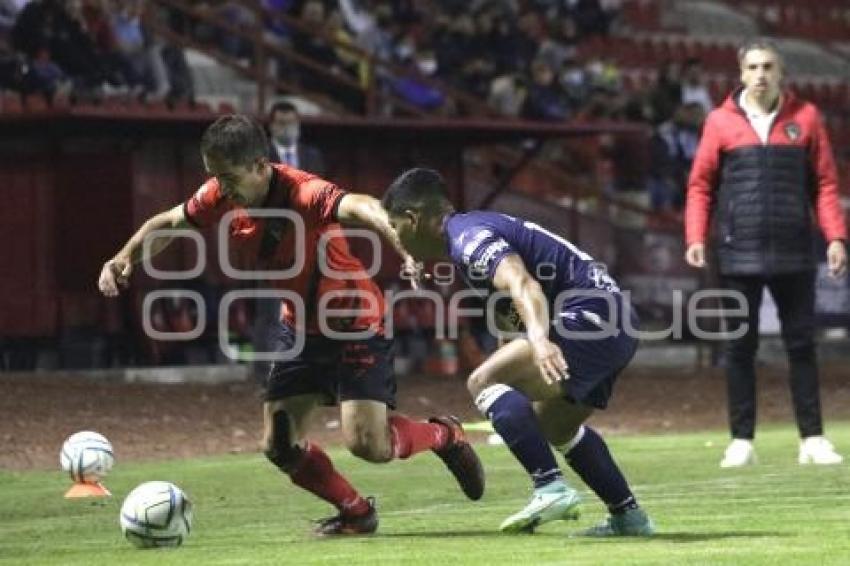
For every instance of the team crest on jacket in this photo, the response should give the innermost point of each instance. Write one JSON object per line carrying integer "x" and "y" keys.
{"x": 792, "y": 130}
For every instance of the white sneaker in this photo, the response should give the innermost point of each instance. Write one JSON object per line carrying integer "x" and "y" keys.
{"x": 740, "y": 452}
{"x": 818, "y": 450}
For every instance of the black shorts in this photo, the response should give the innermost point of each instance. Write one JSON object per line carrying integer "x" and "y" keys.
{"x": 338, "y": 370}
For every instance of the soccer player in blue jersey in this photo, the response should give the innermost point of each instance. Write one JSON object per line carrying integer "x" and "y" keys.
{"x": 540, "y": 387}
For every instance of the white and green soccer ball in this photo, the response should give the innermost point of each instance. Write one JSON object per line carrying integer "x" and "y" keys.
{"x": 156, "y": 514}
{"x": 87, "y": 456}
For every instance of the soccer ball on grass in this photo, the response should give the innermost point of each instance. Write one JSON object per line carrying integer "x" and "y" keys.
{"x": 156, "y": 514}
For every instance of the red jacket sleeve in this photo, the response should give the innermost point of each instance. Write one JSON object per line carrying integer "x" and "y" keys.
{"x": 827, "y": 203}
{"x": 702, "y": 181}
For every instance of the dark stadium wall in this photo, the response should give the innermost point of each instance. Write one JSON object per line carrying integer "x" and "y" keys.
{"x": 370, "y": 165}
{"x": 28, "y": 298}
{"x": 74, "y": 193}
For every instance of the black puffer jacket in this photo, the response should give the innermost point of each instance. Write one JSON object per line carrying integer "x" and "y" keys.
{"x": 764, "y": 211}
{"x": 764, "y": 194}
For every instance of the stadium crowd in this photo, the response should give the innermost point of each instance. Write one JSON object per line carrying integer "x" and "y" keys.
{"x": 86, "y": 50}
{"x": 529, "y": 59}
{"x": 523, "y": 59}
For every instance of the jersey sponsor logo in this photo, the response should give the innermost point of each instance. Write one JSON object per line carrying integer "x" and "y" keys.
{"x": 793, "y": 131}
{"x": 598, "y": 273}
{"x": 488, "y": 254}
{"x": 473, "y": 244}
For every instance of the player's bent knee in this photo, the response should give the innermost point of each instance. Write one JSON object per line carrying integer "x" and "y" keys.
{"x": 477, "y": 382}
{"x": 370, "y": 453}
{"x": 286, "y": 458}
{"x": 281, "y": 449}
{"x": 367, "y": 446}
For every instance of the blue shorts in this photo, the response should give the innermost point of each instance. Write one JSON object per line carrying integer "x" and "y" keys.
{"x": 594, "y": 361}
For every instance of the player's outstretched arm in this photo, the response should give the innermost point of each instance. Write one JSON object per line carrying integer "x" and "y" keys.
{"x": 116, "y": 272}
{"x": 533, "y": 307}
{"x": 366, "y": 210}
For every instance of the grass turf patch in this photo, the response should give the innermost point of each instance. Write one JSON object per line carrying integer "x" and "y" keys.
{"x": 246, "y": 512}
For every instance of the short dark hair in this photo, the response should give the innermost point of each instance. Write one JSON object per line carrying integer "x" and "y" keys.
{"x": 236, "y": 139}
{"x": 761, "y": 44}
{"x": 417, "y": 189}
{"x": 282, "y": 106}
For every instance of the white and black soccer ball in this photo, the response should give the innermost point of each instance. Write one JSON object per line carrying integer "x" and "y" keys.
{"x": 156, "y": 514}
{"x": 87, "y": 456}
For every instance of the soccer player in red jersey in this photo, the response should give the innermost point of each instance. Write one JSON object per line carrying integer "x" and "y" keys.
{"x": 356, "y": 373}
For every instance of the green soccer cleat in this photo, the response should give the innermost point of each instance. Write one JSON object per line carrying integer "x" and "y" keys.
{"x": 631, "y": 523}
{"x": 553, "y": 502}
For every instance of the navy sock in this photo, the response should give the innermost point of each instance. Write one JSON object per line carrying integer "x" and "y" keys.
{"x": 590, "y": 458}
{"x": 513, "y": 418}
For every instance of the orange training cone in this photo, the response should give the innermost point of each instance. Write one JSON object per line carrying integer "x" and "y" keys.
{"x": 83, "y": 489}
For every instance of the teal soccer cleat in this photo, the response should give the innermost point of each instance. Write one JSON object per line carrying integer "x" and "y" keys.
{"x": 553, "y": 502}
{"x": 631, "y": 523}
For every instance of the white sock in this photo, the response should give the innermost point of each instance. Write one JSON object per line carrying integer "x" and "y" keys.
{"x": 489, "y": 395}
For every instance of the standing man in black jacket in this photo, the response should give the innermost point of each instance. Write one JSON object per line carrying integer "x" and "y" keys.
{"x": 767, "y": 156}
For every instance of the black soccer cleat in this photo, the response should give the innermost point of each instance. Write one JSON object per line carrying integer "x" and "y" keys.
{"x": 461, "y": 459}
{"x": 341, "y": 524}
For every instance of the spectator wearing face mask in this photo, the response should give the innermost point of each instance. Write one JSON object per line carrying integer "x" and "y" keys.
{"x": 285, "y": 133}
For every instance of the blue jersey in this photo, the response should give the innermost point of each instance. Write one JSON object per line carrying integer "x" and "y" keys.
{"x": 478, "y": 241}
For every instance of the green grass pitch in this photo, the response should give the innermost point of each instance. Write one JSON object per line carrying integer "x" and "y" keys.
{"x": 246, "y": 513}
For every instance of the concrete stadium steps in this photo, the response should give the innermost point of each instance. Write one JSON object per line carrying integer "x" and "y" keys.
{"x": 217, "y": 84}
{"x": 704, "y": 17}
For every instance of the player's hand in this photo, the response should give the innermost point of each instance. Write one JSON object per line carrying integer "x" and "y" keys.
{"x": 114, "y": 275}
{"x": 695, "y": 255}
{"x": 550, "y": 360}
{"x": 836, "y": 258}
{"x": 413, "y": 271}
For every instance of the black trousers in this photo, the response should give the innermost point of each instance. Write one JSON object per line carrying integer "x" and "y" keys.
{"x": 794, "y": 294}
